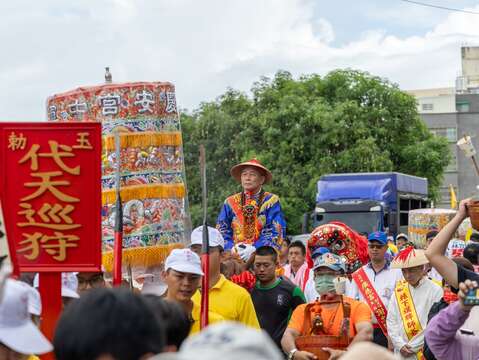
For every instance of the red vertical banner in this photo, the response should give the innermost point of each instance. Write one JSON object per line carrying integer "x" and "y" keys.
{"x": 51, "y": 186}
{"x": 50, "y": 289}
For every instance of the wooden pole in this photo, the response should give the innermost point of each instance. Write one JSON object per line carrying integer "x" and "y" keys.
{"x": 475, "y": 165}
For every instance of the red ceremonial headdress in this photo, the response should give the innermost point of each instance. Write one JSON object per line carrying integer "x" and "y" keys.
{"x": 341, "y": 240}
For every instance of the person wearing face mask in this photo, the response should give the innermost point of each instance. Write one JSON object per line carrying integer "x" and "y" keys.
{"x": 328, "y": 269}
{"x": 410, "y": 304}
{"x": 252, "y": 216}
{"x": 374, "y": 284}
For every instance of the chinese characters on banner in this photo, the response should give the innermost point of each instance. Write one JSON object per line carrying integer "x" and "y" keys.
{"x": 51, "y": 186}
{"x": 108, "y": 102}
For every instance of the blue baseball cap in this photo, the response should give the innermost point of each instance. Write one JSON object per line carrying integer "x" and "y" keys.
{"x": 378, "y": 236}
{"x": 331, "y": 261}
{"x": 319, "y": 251}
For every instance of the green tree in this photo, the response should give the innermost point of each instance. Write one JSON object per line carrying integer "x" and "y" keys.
{"x": 346, "y": 121}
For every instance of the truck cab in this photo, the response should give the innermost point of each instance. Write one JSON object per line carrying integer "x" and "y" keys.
{"x": 368, "y": 202}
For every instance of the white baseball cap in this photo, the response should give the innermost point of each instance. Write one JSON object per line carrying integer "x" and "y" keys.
{"x": 69, "y": 284}
{"x": 17, "y": 331}
{"x": 34, "y": 299}
{"x": 226, "y": 340}
{"x": 184, "y": 260}
{"x": 215, "y": 237}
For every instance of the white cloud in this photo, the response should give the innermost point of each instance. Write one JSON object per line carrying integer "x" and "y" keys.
{"x": 203, "y": 47}
{"x": 324, "y": 29}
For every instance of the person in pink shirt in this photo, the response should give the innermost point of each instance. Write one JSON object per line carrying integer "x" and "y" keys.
{"x": 297, "y": 269}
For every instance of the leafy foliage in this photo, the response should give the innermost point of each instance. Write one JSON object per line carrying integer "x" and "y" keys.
{"x": 347, "y": 121}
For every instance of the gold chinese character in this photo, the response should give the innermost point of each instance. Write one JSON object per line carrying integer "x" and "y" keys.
{"x": 34, "y": 242}
{"x": 57, "y": 213}
{"x": 32, "y": 245}
{"x": 48, "y": 184}
{"x": 17, "y": 142}
{"x": 55, "y": 154}
{"x": 59, "y": 250}
{"x": 82, "y": 141}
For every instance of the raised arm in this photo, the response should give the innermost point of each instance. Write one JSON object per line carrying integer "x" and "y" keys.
{"x": 436, "y": 251}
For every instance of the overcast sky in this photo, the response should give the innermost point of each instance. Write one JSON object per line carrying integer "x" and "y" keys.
{"x": 206, "y": 46}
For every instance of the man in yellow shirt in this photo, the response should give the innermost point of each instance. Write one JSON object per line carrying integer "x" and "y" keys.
{"x": 183, "y": 275}
{"x": 226, "y": 298}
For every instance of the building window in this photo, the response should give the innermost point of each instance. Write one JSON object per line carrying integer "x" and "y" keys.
{"x": 462, "y": 106}
{"x": 427, "y": 107}
{"x": 449, "y": 133}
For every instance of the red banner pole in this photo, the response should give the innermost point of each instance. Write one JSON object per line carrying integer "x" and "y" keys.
{"x": 118, "y": 248}
{"x": 50, "y": 286}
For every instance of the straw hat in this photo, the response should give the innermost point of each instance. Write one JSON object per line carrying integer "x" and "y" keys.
{"x": 237, "y": 169}
{"x": 408, "y": 258}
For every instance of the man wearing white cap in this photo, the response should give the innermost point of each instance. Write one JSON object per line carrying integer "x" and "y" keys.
{"x": 183, "y": 275}
{"x": 19, "y": 337}
{"x": 34, "y": 302}
{"x": 69, "y": 286}
{"x": 252, "y": 216}
{"x": 410, "y": 304}
{"x": 226, "y": 298}
{"x": 401, "y": 241}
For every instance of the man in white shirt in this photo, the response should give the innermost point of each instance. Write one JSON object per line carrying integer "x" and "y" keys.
{"x": 410, "y": 304}
{"x": 374, "y": 284}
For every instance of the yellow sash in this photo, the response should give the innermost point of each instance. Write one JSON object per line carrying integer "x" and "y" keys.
{"x": 411, "y": 323}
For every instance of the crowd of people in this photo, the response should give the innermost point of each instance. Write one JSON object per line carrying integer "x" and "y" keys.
{"x": 269, "y": 298}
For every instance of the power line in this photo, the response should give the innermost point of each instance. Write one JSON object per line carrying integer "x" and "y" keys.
{"x": 440, "y": 7}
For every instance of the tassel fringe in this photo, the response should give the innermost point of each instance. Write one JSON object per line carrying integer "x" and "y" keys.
{"x": 151, "y": 191}
{"x": 143, "y": 140}
{"x": 141, "y": 256}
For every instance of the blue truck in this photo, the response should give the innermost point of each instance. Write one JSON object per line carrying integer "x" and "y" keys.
{"x": 368, "y": 202}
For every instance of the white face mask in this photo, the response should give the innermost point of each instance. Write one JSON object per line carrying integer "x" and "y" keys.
{"x": 340, "y": 285}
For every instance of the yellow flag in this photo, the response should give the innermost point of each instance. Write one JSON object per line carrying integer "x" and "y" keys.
{"x": 453, "y": 197}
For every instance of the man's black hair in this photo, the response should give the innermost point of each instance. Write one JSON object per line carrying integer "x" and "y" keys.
{"x": 431, "y": 234}
{"x": 112, "y": 322}
{"x": 471, "y": 252}
{"x": 267, "y": 251}
{"x": 298, "y": 244}
{"x": 173, "y": 318}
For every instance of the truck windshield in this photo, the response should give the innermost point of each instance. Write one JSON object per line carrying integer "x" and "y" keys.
{"x": 362, "y": 222}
